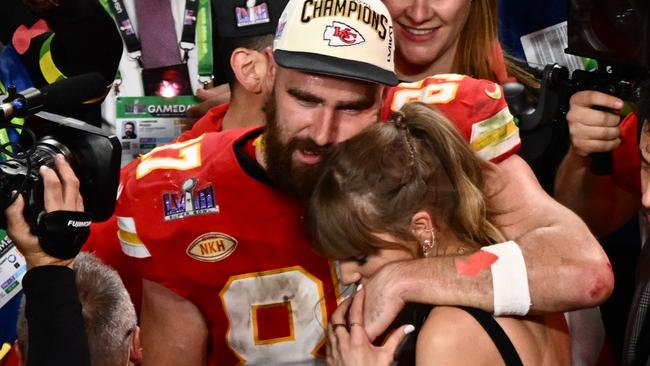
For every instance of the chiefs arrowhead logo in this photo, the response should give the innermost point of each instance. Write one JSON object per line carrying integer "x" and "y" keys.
{"x": 340, "y": 34}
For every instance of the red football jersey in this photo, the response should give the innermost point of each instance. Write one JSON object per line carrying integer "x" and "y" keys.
{"x": 193, "y": 220}
{"x": 210, "y": 122}
{"x": 477, "y": 107}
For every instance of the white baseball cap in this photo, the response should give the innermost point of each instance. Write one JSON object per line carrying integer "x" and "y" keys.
{"x": 348, "y": 38}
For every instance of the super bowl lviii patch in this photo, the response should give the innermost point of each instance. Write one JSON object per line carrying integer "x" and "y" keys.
{"x": 190, "y": 201}
{"x": 252, "y": 14}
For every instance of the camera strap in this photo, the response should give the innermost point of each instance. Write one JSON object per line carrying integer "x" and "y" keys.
{"x": 63, "y": 233}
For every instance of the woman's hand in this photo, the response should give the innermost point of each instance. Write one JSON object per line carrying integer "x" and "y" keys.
{"x": 349, "y": 344}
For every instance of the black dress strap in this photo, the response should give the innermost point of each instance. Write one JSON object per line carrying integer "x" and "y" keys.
{"x": 499, "y": 337}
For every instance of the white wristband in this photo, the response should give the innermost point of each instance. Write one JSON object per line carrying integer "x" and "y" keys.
{"x": 509, "y": 280}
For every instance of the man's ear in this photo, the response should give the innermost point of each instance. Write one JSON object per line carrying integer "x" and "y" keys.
{"x": 136, "y": 348}
{"x": 250, "y": 68}
{"x": 421, "y": 226}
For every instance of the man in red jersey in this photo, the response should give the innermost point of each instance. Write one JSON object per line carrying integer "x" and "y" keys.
{"x": 214, "y": 227}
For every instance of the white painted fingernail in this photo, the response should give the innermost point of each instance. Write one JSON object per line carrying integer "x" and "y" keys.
{"x": 359, "y": 287}
{"x": 409, "y": 328}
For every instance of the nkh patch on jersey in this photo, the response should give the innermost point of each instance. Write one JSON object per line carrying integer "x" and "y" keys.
{"x": 212, "y": 247}
{"x": 476, "y": 107}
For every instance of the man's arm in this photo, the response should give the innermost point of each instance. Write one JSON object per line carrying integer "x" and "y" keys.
{"x": 55, "y": 323}
{"x": 567, "y": 269}
{"x": 603, "y": 205}
{"x": 172, "y": 328}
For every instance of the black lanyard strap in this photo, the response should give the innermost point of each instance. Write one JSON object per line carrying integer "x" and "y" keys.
{"x": 188, "y": 36}
{"x": 127, "y": 31}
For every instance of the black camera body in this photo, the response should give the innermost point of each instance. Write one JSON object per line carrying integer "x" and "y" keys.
{"x": 620, "y": 81}
{"x": 611, "y": 31}
{"x": 615, "y": 33}
{"x": 93, "y": 154}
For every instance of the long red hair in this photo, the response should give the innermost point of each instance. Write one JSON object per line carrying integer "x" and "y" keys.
{"x": 479, "y": 53}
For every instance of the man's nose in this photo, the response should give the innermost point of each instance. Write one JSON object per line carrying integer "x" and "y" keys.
{"x": 323, "y": 129}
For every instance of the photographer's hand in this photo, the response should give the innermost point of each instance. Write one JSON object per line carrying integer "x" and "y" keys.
{"x": 594, "y": 130}
{"x": 597, "y": 199}
{"x": 61, "y": 193}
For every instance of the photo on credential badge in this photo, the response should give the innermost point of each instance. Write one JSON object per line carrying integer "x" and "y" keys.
{"x": 144, "y": 123}
{"x": 129, "y": 130}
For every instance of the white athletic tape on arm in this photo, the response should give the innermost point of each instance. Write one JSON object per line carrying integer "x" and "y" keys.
{"x": 509, "y": 279}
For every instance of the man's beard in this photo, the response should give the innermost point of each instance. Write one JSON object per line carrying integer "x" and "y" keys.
{"x": 293, "y": 178}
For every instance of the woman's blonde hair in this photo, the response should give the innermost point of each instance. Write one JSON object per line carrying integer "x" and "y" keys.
{"x": 375, "y": 182}
{"x": 474, "y": 50}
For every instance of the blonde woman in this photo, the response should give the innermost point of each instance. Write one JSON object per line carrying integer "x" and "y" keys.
{"x": 450, "y": 36}
{"x": 407, "y": 189}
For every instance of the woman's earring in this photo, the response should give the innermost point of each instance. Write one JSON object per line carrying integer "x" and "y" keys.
{"x": 427, "y": 245}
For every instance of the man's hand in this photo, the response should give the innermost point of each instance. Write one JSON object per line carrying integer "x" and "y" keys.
{"x": 209, "y": 98}
{"x": 61, "y": 193}
{"x": 594, "y": 130}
